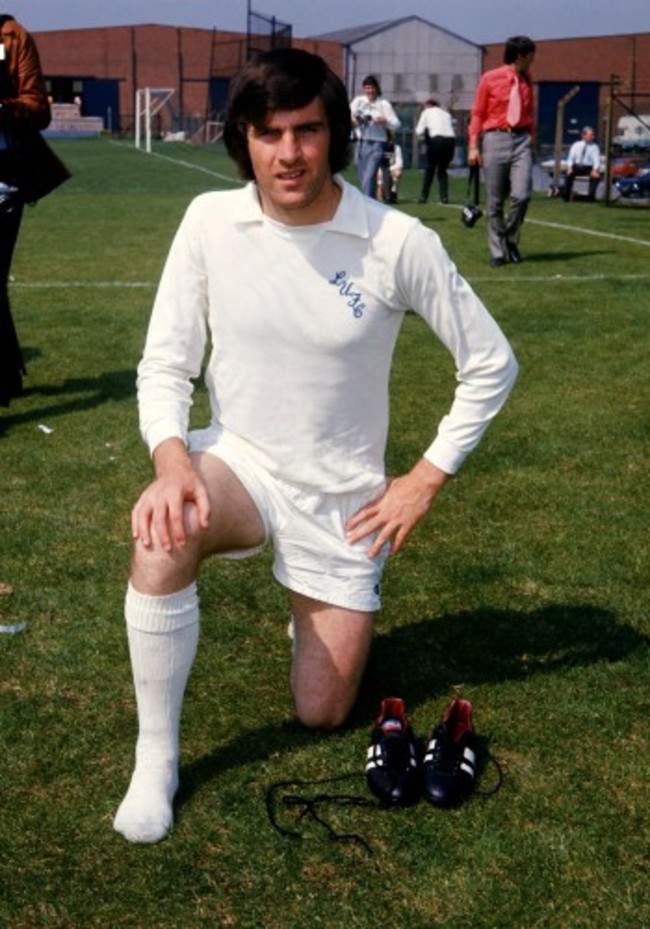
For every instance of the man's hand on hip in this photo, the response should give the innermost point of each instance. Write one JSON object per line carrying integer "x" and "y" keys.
{"x": 404, "y": 503}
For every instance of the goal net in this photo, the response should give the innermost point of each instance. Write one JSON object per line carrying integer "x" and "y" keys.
{"x": 149, "y": 101}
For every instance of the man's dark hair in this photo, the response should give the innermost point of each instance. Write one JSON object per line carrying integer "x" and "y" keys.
{"x": 517, "y": 45}
{"x": 285, "y": 79}
{"x": 373, "y": 82}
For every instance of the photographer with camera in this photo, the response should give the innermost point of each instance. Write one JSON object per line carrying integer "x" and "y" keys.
{"x": 373, "y": 119}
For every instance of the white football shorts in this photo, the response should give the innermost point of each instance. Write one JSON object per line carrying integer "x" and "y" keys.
{"x": 311, "y": 554}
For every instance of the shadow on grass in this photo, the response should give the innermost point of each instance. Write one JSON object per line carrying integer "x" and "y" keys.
{"x": 73, "y": 395}
{"x": 31, "y": 354}
{"x": 425, "y": 659}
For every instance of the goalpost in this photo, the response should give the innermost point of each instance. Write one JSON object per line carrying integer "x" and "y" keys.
{"x": 148, "y": 102}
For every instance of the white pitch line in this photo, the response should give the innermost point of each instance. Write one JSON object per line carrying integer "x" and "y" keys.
{"x": 596, "y": 232}
{"x": 561, "y": 278}
{"x": 538, "y": 278}
{"x": 100, "y": 284}
{"x": 579, "y": 229}
{"x": 188, "y": 164}
{"x": 183, "y": 163}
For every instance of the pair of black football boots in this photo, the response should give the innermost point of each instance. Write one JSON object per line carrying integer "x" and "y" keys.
{"x": 445, "y": 774}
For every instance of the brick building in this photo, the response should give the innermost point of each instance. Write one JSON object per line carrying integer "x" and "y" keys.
{"x": 106, "y": 66}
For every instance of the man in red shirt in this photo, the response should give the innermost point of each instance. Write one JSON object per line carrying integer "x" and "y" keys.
{"x": 503, "y": 114}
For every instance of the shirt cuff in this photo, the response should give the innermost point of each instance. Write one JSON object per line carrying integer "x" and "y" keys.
{"x": 445, "y": 456}
{"x": 159, "y": 432}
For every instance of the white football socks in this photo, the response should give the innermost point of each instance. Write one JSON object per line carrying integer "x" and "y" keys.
{"x": 163, "y": 634}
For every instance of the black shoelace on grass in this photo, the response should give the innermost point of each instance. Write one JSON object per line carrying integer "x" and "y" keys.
{"x": 309, "y": 807}
{"x": 306, "y": 805}
{"x": 489, "y": 791}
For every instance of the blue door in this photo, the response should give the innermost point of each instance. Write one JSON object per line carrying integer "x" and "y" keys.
{"x": 581, "y": 110}
{"x": 101, "y": 97}
{"x": 219, "y": 87}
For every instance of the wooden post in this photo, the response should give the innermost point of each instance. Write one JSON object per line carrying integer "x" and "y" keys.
{"x": 609, "y": 129}
{"x": 559, "y": 131}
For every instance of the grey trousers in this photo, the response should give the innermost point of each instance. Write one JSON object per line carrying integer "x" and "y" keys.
{"x": 508, "y": 168}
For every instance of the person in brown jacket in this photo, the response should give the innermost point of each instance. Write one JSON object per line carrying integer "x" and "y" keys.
{"x": 24, "y": 105}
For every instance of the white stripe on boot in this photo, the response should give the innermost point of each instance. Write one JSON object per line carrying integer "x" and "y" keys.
{"x": 163, "y": 634}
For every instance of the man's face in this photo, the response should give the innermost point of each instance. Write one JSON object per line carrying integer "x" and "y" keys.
{"x": 524, "y": 62}
{"x": 370, "y": 91}
{"x": 588, "y": 135}
{"x": 290, "y": 158}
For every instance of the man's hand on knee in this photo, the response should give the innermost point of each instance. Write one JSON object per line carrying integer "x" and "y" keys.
{"x": 162, "y": 511}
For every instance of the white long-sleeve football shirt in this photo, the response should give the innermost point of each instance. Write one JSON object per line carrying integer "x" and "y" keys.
{"x": 301, "y": 323}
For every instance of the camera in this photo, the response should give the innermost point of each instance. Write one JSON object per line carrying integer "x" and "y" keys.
{"x": 363, "y": 118}
{"x": 470, "y": 215}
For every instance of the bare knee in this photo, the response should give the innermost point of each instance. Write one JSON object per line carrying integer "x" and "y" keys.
{"x": 159, "y": 571}
{"x": 326, "y": 706}
{"x": 330, "y": 652}
{"x": 322, "y": 715}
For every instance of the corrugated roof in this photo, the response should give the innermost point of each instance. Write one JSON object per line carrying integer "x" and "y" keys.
{"x": 354, "y": 33}
{"x": 357, "y": 33}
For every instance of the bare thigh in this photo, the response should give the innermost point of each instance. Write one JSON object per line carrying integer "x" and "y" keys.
{"x": 235, "y": 524}
{"x": 331, "y": 651}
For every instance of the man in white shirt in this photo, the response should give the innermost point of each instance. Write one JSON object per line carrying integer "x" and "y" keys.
{"x": 299, "y": 285}
{"x": 374, "y": 119}
{"x": 583, "y": 161}
{"x": 436, "y": 128}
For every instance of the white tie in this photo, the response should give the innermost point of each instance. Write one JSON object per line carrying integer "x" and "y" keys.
{"x": 514, "y": 105}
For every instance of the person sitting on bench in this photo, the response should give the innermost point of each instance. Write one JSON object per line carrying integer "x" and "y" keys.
{"x": 583, "y": 161}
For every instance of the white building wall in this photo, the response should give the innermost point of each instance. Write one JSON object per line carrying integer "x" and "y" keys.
{"x": 415, "y": 60}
